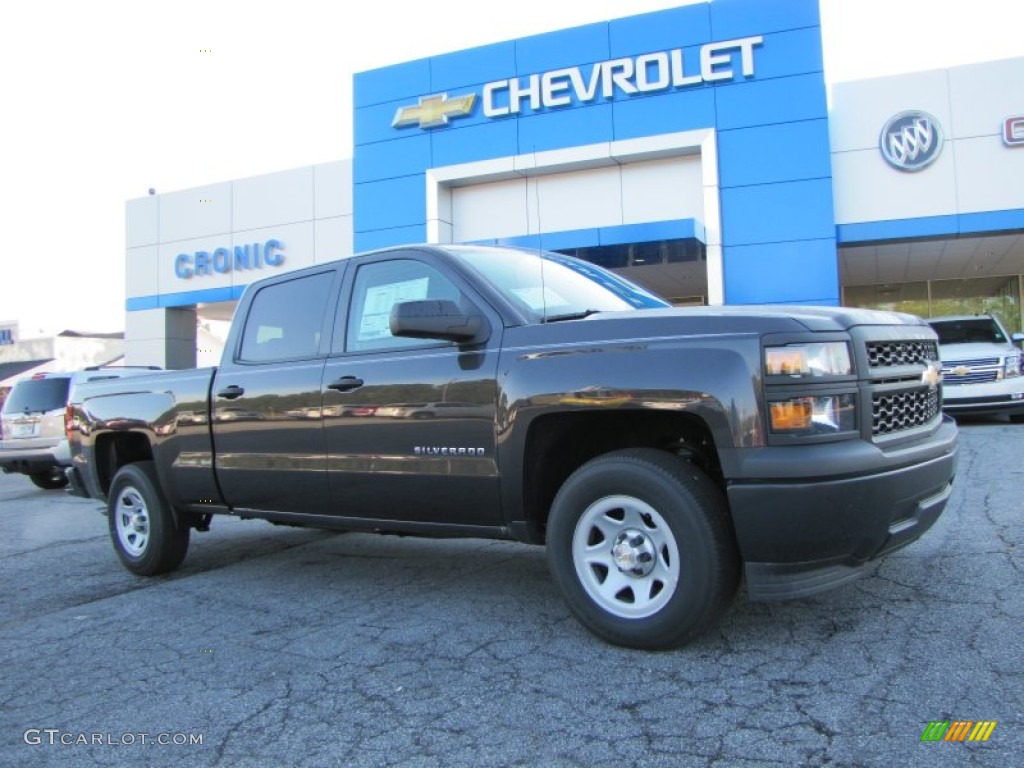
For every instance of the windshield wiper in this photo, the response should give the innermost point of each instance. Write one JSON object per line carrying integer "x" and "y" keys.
{"x": 571, "y": 315}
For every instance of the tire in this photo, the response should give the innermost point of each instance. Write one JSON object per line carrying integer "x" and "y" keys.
{"x": 143, "y": 528}
{"x": 1017, "y": 418}
{"x": 50, "y": 480}
{"x": 640, "y": 545}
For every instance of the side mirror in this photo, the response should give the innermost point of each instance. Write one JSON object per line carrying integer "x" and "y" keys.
{"x": 1018, "y": 337}
{"x": 435, "y": 319}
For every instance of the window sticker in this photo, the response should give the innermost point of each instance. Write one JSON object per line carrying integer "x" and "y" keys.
{"x": 375, "y": 323}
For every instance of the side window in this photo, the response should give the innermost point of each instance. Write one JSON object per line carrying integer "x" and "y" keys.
{"x": 378, "y": 287}
{"x": 285, "y": 320}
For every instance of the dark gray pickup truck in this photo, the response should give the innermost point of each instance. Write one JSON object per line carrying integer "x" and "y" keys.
{"x": 659, "y": 453}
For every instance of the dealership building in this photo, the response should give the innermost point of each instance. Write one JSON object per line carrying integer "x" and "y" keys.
{"x": 695, "y": 150}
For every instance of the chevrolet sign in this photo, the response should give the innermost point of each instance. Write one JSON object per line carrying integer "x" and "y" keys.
{"x": 647, "y": 73}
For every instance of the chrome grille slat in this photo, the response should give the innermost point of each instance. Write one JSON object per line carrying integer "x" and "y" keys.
{"x": 896, "y": 411}
{"x": 900, "y": 399}
{"x": 979, "y": 363}
{"x": 886, "y": 354}
{"x": 975, "y": 377}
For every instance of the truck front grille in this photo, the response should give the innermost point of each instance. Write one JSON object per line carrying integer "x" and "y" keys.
{"x": 895, "y": 411}
{"x": 979, "y": 363}
{"x": 886, "y": 354}
{"x": 973, "y": 377}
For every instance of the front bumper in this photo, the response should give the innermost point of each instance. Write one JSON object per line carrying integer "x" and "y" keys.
{"x": 800, "y": 537}
{"x": 1003, "y": 396}
{"x": 1009, "y": 404}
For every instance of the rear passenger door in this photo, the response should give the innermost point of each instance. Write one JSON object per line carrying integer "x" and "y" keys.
{"x": 266, "y": 402}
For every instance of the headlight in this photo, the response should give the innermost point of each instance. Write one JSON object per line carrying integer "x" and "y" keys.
{"x": 1012, "y": 366}
{"x": 813, "y": 415}
{"x": 820, "y": 358}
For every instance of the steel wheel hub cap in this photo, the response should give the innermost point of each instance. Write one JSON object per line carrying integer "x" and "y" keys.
{"x": 634, "y": 553}
{"x": 626, "y": 557}
{"x": 132, "y": 521}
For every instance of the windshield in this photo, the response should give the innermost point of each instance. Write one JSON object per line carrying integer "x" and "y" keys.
{"x": 37, "y": 396}
{"x": 549, "y": 286}
{"x": 981, "y": 330}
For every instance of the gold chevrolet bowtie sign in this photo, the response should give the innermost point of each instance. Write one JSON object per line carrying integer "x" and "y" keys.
{"x": 433, "y": 111}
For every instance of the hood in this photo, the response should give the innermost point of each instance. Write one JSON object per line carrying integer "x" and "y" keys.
{"x": 975, "y": 351}
{"x": 812, "y": 318}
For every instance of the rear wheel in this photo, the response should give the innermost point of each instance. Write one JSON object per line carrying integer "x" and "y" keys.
{"x": 640, "y": 546}
{"x": 1017, "y": 418}
{"x": 51, "y": 480}
{"x": 146, "y": 536}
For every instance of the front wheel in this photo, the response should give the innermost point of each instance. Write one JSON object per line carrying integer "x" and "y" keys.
{"x": 146, "y": 536}
{"x": 640, "y": 546}
{"x": 51, "y": 480}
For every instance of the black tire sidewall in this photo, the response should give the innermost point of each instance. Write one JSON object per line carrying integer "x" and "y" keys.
{"x": 691, "y": 514}
{"x": 167, "y": 542}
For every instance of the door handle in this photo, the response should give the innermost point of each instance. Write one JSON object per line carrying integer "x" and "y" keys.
{"x": 346, "y": 384}
{"x": 231, "y": 392}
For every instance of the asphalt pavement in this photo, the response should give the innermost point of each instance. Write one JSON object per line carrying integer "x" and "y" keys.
{"x": 280, "y": 646}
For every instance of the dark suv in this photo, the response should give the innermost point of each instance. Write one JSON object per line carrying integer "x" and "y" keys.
{"x": 32, "y": 438}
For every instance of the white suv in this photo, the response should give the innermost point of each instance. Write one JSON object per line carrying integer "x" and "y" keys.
{"x": 32, "y": 438}
{"x": 981, "y": 368}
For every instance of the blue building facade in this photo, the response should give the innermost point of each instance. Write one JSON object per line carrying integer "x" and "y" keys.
{"x": 736, "y": 85}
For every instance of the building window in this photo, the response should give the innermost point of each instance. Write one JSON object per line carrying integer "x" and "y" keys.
{"x": 911, "y": 298}
{"x": 641, "y": 254}
{"x": 999, "y": 296}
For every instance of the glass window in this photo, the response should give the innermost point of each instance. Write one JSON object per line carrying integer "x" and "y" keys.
{"x": 285, "y": 320}
{"x": 552, "y": 286}
{"x": 911, "y": 298}
{"x": 38, "y": 396}
{"x": 999, "y": 296}
{"x": 640, "y": 254}
{"x": 979, "y": 330}
{"x": 378, "y": 287}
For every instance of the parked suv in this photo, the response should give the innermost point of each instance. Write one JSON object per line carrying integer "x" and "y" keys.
{"x": 32, "y": 438}
{"x": 981, "y": 368}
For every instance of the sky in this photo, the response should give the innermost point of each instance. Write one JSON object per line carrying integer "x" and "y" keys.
{"x": 103, "y": 100}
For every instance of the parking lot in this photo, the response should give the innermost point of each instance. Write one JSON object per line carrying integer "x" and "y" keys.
{"x": 280, "y": 646}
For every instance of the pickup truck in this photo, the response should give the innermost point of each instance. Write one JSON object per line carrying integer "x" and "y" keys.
{"x": 660, "y": 454}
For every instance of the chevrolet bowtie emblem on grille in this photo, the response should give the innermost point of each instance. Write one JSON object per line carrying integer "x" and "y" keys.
{"x": 433, "y": 111}
{"x": 961, "y": 370}
{"x": 932, "y": 376}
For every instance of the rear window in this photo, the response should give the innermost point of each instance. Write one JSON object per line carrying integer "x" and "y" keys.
{"x": 979, "y": 331}
{"x": 285, "y": 320}
{"x": 37, "y": 395}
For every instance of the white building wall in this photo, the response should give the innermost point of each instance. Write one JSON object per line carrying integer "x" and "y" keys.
{"x": 974, "y": 173}
{"x": 632, "y": 193}
{"x": 308, "y": 210}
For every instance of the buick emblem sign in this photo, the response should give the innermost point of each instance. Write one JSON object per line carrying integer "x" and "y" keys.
{"x": 911, "y": 141}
